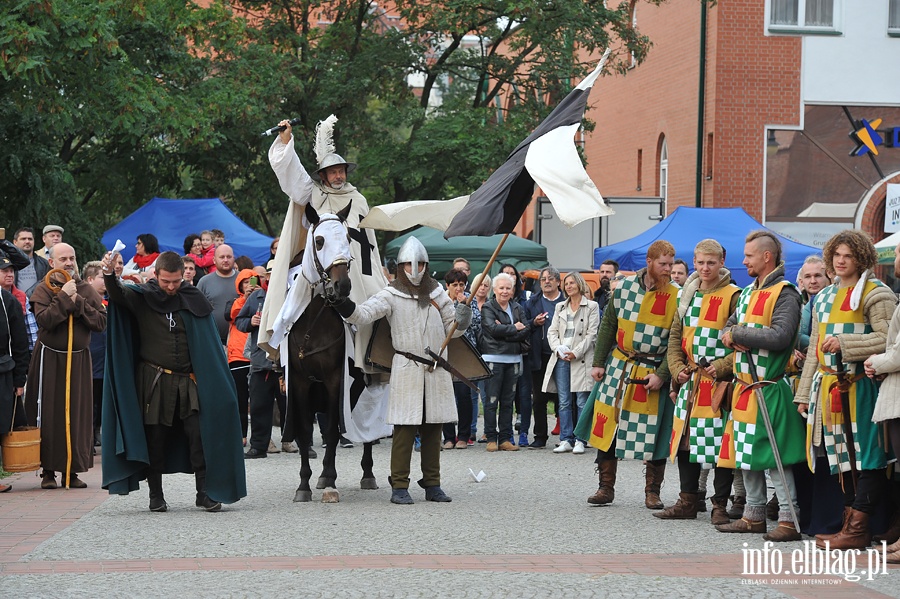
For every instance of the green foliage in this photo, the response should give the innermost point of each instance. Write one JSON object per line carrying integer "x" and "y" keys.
{"x": 107, "y": 103}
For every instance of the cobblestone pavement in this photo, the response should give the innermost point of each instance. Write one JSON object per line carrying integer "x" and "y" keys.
{"x": 525, "y": 531}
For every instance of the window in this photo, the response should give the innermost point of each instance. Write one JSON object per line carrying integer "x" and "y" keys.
{"x": 894, "y": 17}
{"x": 663, "y": 168}
{"x": 806, "y": 16}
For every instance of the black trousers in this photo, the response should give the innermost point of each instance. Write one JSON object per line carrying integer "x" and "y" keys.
{"x": 870, "y": 490}
{"x": 689, "y": 477}
{"x": 264, "y": 393}
{"x": 98, "y": 401}
{"x": 462, "y": 430}
{"x": 540, "y": 399}
{"x": 239, "y": 371}
{"x": 160, "y": 437}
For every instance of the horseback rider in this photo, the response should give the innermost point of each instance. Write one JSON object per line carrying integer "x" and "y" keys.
{"x": 420, "y": 314}
{"x": 328, "y": 192}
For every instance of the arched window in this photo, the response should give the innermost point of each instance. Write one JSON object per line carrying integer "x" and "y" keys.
{"x": 663, "y": 168}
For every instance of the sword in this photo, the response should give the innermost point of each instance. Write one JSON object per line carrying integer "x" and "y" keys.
{"x": 764, "y": 410}
{"x": 847, "y": 425}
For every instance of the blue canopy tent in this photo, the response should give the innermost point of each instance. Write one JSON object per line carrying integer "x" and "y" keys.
{"x": 173, "y": 220}
{"x": 687, "y": 226}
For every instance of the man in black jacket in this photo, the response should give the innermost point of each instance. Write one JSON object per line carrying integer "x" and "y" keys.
{"x": 28, "y": 277}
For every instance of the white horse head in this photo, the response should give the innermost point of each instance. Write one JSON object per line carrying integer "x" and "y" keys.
{"x": 326, "y": 258}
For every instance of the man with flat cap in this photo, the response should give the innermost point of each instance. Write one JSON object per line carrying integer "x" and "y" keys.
{"x": 52, "y": 235}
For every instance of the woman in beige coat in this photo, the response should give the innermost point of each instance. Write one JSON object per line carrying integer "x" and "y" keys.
{"x": 571, "y": 336}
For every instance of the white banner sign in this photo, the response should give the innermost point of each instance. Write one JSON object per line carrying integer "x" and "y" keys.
{"x": 809, "y": 232}
{"x": 892, "y": 208}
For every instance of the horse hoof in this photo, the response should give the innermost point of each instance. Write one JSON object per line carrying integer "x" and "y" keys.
{"x": 331, "y": 496}
{"x": 324, "y": 483}
{"x": 302, "y": 496}
{"x": 368, "y": 483}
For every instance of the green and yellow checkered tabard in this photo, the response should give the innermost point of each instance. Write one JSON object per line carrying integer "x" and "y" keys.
{"x": 835, "y": 317}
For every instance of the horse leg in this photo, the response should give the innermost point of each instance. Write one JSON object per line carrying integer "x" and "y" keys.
{"x": 302, "y": 424}
{"x": 368, "y": 478}
{"x": 329, "y": 471}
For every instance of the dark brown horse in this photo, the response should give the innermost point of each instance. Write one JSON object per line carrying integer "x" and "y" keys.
{"x": 317, "y": 352}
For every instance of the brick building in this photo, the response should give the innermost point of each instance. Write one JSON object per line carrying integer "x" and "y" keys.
{"x": 782, "y": 83}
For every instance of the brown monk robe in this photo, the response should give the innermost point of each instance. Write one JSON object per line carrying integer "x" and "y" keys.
{"x": 47, "y": 377}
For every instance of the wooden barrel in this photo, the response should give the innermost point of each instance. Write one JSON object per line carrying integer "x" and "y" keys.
{"x": 22, "y": 449}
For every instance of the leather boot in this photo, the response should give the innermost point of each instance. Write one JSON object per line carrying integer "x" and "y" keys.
{"x": 701, "y": 504}
{"x": 785, "y": 531}
{"x": 203, "y": 500}
{"x": 829, "y": 536}
{"x": 893, "y": 553}
{"x": 719, "y": 513}
{"x": 607, "y": 491}
{"x": 684, "y": 509}
{"x": 48, "y": 479}
{"x": 737, "y": 506}
{"x": 654, "y": 479}
{"x": 157, "y": 501}
{"x": 854, "y": 535}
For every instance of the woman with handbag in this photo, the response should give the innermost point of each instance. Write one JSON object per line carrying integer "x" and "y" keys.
{"x": 572, "y": 335}
{"x": 502, "y": 332}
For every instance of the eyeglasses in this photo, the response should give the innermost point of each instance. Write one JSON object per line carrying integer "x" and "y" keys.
{"x": 548, "y": 279}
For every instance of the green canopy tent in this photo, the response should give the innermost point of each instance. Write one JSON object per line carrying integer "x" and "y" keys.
{"x": 521, "y": 253}
{"x": 885, "y": 248}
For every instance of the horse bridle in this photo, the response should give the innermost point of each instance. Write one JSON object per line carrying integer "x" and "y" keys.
{"x": 329, "y": 289}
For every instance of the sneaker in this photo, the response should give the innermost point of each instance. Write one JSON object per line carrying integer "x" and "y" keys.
{"x": 523, "y": 439}
{"x": 447, "y": 445}
{"x": 579, "y": 447}
{"x": 346, "y": 443}
{"x": 483, "y": 439}
{"x": 312, "y": 453}
{"x": 563, "y": 447}
{"x": 290, "y": 447}
{"x": 470, "y": 442}
{"x": 272, "y": 447}
{"x": 253, "y": 454}
{"x": 537, "y": 444}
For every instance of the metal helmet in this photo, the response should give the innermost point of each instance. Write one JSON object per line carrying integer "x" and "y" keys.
{"x": 414, "y": 252}
{"x": 333, "y": 159}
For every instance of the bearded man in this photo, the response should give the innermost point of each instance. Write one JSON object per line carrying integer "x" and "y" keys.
{"x": 63, "y": 405}
{"x": 632, "y": 377}
{"x": 421, "y": 314}
{"x": 329, "y": 192}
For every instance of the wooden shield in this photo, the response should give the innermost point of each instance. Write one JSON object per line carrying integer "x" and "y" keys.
{"x": 460, "y": 353}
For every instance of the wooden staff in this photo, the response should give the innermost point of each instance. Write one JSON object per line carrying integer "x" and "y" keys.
{"x": 54, "y": 280}
{"x": 468, "y": 300}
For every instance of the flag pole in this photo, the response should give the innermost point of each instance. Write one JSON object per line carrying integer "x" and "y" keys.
{"x": 468, "y": 300}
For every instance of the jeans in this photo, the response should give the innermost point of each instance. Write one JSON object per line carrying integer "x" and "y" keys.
{"x": 460, "y": 431}
{"x": 755, "y": 484}
{"x": 501, "y": 394}
{"x": 567, "y": 419}
{"x": 523, "y": 400}
{"x": 482, "y": 392}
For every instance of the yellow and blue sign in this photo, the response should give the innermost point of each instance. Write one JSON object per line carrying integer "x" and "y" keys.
{"x": 868, "y": 137}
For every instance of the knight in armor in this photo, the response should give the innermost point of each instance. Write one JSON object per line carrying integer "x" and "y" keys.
{"x": 328, "y": 192}
{"x": 421, "y": 314}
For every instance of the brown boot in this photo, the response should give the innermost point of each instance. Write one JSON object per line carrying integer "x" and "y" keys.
{"x": 743, "y": 525}
{"x": 607, "y": 491}
{"x": 785, "y": 531}
{"x": 654, "y": 479}
{"x": 854, "y": 535}
{"x": 829, "y": 536}
{"x": 684, "y": 509}
{"x": 719, "y": 513}
{"x": 893, "y": 553}
{"x": 737, "y": 506}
